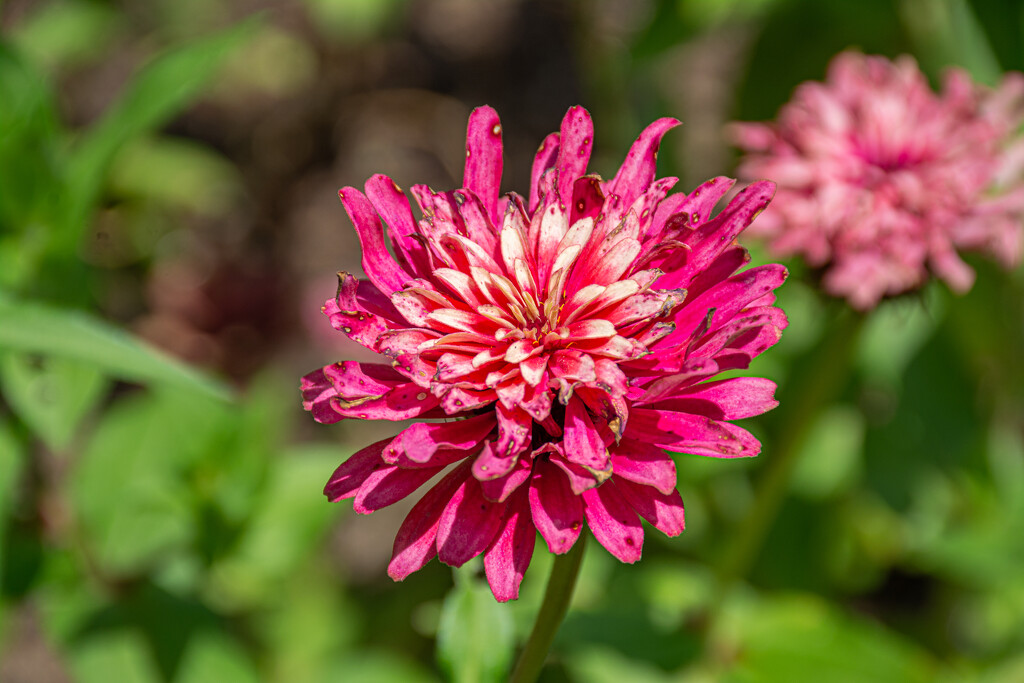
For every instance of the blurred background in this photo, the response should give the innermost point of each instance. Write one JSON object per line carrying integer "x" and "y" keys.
{"x": 169, "y": 229}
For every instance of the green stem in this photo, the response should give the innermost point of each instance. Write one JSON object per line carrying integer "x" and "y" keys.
{"x": 552, "y": 611}
{"x": 813, "y": 389}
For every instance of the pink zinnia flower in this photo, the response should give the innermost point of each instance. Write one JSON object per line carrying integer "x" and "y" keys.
{"x": 570, "y": 333}
{"x": 881, "y": 180}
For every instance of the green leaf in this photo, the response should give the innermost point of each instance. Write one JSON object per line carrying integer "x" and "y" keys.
{"x": 214, "y": 658}
{"x": 28, "y": 163}
{"x": 286, "y": 526}
{"x": 795, "y": 639}
{"x": 50, "y": 394}
{"x": 60, "y": 33}
{"x": 176, "y": 173}
{"x": 75, "y": 335}
{"x": 143, "y": 450}
{"x": 475, "y": 638}
{"x": 160, "y": 90}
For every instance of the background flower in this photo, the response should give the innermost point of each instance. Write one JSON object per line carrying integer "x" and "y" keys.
{"x": 882, "y": 181}
{"x": 573, "y": 330}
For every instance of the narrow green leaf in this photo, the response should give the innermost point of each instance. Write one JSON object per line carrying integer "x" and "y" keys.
{"x": 50, "y": 331}
{"x": 475, "y": 638}
{"x": 160, "y": 90}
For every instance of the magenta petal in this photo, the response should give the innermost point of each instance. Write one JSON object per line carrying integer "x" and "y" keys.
{"x": 727, "y": 399}
{"x": 638, "y": 170}
{"x": 580, "y": 478}
{"x": 613, "y": 522}
{"x": 404, "y": 402}
{"x": 423, "y": 439}
{"x": 557, "y": 511}
{"x": 544, "y": 160}
{"x": 415, "y": 540}
{"x": 501, "y": 488}
{"x": 509, "y": 555}
{"x": 728, "y": 298}
{"x": 468, "y": 524}
{"x": 713, "y": 237}
{"x": 701, "y": 202}
{"x": 484, "y": 159}
{"x": 317, "y": 392}
{"x": 664, "y": 511}
{"x": 575, "y": 143}
{"x": 644, "y": 463}
{"x": 353, "y": 380}
{"x": 694, "y": 434}
{"x": 389, "y": 484}
{"x": 378, "y": 264}
{"x": 393, "y": 206}
{"x": 583, "y": 445}
{"x": 351, "y": 474}
{"x": 349, "y": 314}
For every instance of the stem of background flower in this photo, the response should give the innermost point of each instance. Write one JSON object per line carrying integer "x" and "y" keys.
{"x": 552, "y": 611}
{"x": 808, "y": 392}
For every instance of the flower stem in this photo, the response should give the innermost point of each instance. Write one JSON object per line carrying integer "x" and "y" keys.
{"x": 552, "y": 611}
{"x": 811, "y": 391}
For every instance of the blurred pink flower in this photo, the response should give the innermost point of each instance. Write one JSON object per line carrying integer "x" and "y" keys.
{"x": 880, "y": 180}
{"x": 571, "y": 332}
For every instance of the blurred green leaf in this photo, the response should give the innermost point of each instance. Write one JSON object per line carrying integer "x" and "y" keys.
{"x": 158, "y": 92}
{"x": 830, "y": 459}
{"x": 799, "y": 638}
{"x": 475, "y": 638}
{"x": 120, "y": 656}
{"x": 143, "y": 449}
{"x": 215, "y": 658}
{"x": 50, "y": 394}
{"x": 947, "y": 33}
{"x": 28, "y": 160}
{"x": 604, "y": 665}
{"x": 59, "y": 33}
{"x": 364, "y": 666}
{"x": 288, "y": 523}
{"x": 75, "y": 335}
{"x": 177, "y": 173}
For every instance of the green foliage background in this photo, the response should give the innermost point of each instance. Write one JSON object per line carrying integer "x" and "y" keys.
{"x": 168, "y": 232}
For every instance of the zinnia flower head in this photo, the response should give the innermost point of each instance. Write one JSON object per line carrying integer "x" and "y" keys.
{"x": 570, "y": 334}
{"x": 881, "y": 180}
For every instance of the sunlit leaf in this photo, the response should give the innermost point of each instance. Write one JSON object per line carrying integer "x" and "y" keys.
{"x": 75, "y": 335}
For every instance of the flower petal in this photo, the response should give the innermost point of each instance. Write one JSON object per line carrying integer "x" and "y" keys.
{"x": 638, "y": 170}
{"x": 664, "y": 511}
{"x": 613, "y": 522}
{"x": 415, "y": 541}
{"x": 468, "y": 524}
{"x": 583, "y": 445}
{"x": 484, "y": 158}
{"x": 378, "y": 264}
{"x": 557, "y": 511}
{"x": 509, "y": 555}
{"x": 644, "y": 463}
{"x": 351, "y": 474}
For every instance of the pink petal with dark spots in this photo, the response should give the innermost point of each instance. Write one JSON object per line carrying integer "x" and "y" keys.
{"x": 509, "y": 555}
{"x": 613, "y": 522}
{"x": 557, "y": 511}
{"x": 484, "y": 158}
